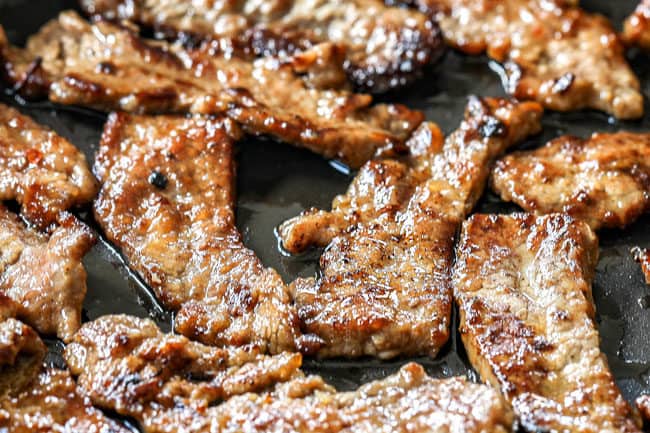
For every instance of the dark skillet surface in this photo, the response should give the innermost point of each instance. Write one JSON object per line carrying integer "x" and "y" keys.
{"x": 276, "y": 181}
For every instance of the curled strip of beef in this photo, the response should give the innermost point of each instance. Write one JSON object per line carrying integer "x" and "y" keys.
{"x": 167, "y": 382}
{"x": 40, "y": 169}
{"x": 106, "y": 66}
{"x": 552, "y": 51}
{"x": 167, "y": 201}
{"x": 384, "y": 288}
{"x": 637, "y": 26}
{"x": 523, "y": 287}
{"x": 604, "y": 180}
{"x": 43, "y": 273}
{"x": 35, "y": 398}
{"x": 385, "y": 47}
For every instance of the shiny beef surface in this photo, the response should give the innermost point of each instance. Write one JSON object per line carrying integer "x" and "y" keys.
{"x": 523, "y": 287}
{"x": 168, "y": 383}
{"x": 604, "y": 180}
{"x": 384, "y": 47}
{"x": 551, "y": 51}
{"x": 109, "y": 67}
{"x": 35, "y": 398}
{"x": 166, "y": 202}
{"x": 44, "y": 273}
{"x": 384, "y": 286}
{"x": 41, "y": 170}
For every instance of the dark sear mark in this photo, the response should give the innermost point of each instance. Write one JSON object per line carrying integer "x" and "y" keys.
{"x": 158, "y": 180}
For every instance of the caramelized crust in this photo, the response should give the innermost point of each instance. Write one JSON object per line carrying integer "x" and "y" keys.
{"x": 384, "y": 288}
{"x": 21, "y": 351}
{"x": 385, "y": 47}
{"x": 637, "y": 26}
{"x": 40, "y": 169}
{"x": 523, "y": 287}
{"x": 551, "y": 51}
{"x": 38, "y": 399}
{"x": 44, "y": 274}
{"x": 107, "y": 67}
{"x": 604, "y": 180}
{"x": 167, "y": 202}
{"x": 168, "y": 383}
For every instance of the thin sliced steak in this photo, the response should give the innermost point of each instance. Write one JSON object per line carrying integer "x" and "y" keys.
{"x": 41, "y": 170}
{"x": 604, "y": 180}
{"x": 385, "y": 286}
{"x": 168, "y": 383}
{"x": 523, "y": 287}
{"x": 167, "y": 202}
{"x": 44, "y": 273}
{"x": 385, "y": 47}
{"x": 107, "y": 67}
{"x": 552, "y": 51}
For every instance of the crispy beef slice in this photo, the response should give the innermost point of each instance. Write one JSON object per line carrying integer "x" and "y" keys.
{"x": 385, "y": 288}
{"x": 167, "y": 382}
{"x": 552, "y": 51}
{"x": 34, "y": 398}
{"x": 604, "y": 180}
{"x": 106, "y": 66}
{"x": 40, "y": 169}
{"x": 523, "y": 287}
{"x": 166, "y": 202}
{"x": 385, "y": 47}
{"x": 637, "y": 26}
{"x": 43, "y": 273}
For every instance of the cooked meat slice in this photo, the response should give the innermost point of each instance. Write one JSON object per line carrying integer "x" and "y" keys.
{"x": 167, "y": 201}
{"x": 127, "y": 364}
{"x": 21, "y": 351}
{"x": 523, "y": 288}
{"x": 642, "y": 256}
{"x": 552, "y": 51}
{"x": 604, "y": 180}
{"x": 38, "y": 399}
{"x": 41, "y": 170}
{"x": 637, "y": 26}
{"x": 384, "y": 288}
{"x": 385, "y": 46}
{"x": 167, "y": 382}
{"x": 43, "y": 273}
{"x": 51, "y": 403}
{"x": 84, "y": 66}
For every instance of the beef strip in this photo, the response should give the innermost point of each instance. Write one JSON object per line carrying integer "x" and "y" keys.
{"x": 168, "y": 383}
{"x": 637, "y": 26}
{"x": 642, "y": 256}
{"x": 43, "y": 273}
{"x": 551, "y": 51}
{"x": 34, "y": 398}
{"x": 523, "y": 287}
{"x": 385, "y": 288}
{"x": 385, "y": 47}
{"x": 604, "y": 180}
{"x": 106, "y": 66}
{"x": 167, "y": 202}
{"x": 40, "y": 169}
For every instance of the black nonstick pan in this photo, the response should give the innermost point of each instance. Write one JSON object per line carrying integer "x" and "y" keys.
{"x": 276, "y": 181}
